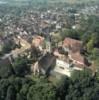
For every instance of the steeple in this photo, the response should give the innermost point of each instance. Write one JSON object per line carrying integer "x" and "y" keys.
{"x": 48, "y": 43}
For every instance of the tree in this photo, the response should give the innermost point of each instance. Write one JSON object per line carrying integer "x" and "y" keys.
{"x": 95, "y": 53}
{"x": 77, "y": 75}
{"x": 21, "y": 67}
{"x": 90, "y": 45}
{"x": 41, "y": 90}
{"x": 70, "y": 33}
{"x": 8, "y": 46}
{"x": 83, "y": 89}
{"x": 62, "y": 87}
{"x": 19, "y": 97}
{"x": 4, "y": 83}
{"x": 6, "y": 69}
{"x": 11, "y": 93}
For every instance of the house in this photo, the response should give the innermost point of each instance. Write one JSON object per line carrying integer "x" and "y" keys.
{"x": 62, "y": 68}
{"x": 78, "y": 60}
{"x": 62, "y": 64}
{"x": 38, "y": 41}
{"x": 73, "y": 47}
{"x": 72, "y": 44}
{"x": 74, "y": 59}
{"x": 58, "y": 26}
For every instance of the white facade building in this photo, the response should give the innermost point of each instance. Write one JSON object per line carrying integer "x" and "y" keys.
{"x": 62, "y": 68}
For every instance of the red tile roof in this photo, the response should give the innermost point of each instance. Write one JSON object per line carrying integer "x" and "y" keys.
{"x": 78, "y": 58}
{"x": 72, "y": 44}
